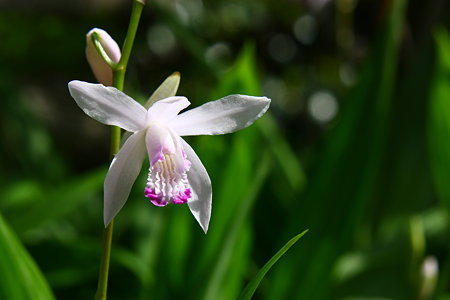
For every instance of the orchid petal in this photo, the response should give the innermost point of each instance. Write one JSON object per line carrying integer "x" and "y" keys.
{"x": 108, "y": 105}
{"x": 200, "y": 203}
{"x": 122, "y": 174}
{"x": 167, "y": 109}
{"x": 158, "y": 141}
{"x": 167, "y": 89}
{"x": 225, "y": 115}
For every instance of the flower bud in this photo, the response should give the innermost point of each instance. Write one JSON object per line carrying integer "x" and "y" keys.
{"x": 100, "y": 68}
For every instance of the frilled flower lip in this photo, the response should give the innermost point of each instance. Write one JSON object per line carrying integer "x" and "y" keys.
{"x": 112, "y": 107}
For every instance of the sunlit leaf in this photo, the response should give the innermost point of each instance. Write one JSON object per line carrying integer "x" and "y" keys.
{"x": 20, "y": 277}
{"x": 251, "y": 287}
{"x": 224, "y": 261}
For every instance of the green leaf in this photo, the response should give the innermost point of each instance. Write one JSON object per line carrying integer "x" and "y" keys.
{"x": 283, "y": 153}
{"x": 52, "y": 204}
{"x": 251, "y": 287}
{"x": 237, "y": 173}
{"x": 228, "y": 252}
{"x": 439, "y": 119}
{"x": 20, "y": 277}
{"x": 344, "y": 181}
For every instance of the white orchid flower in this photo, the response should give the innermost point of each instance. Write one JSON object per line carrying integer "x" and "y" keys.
{"x": 176, "y": 174}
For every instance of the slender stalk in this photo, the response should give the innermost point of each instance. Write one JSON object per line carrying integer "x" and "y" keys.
{"x": 120, "y": 70}
{"x": 102, "y": 286}
{"x": 118, "y": 82}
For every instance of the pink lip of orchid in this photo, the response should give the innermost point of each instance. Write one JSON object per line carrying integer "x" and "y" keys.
{"x": 176, "y": 174}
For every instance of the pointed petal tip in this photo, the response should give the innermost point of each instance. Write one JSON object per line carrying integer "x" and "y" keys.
{"x": 106, "y": 221}
{"x": 79, "y": 85}
{"x": 266, "y": 99}
{"x": 72, "y": 83}
{"x": 205, "y": 228}
{"x": 262, "y": 99}
{"x": 225, "y": 115}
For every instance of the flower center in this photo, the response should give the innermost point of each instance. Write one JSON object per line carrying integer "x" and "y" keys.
{"x": 166, "y": 183}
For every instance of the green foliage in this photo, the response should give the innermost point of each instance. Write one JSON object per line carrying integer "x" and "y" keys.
{"x": 251, "y": 287}
{"x": 372, "y": 185}
{"x": 439, "y": 118}
{"x": 20, "y": 277}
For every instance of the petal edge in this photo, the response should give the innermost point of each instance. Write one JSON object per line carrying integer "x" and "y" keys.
{"x": 226, "y": 115}
{"x": 108, "y": 105}
{"x": 122, "y": 174}
{"x": 200, "y": 203}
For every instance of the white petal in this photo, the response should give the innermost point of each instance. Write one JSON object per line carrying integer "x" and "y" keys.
{"x": 122, "y": 174}
{"x": 225, "y": 115}
{"x": 158, "y": 141}
{"x": 108, "y": 105}
{"x": 167, "y": 89}
{"x": 167, "y": 109}
{"x": 200, "y": 203}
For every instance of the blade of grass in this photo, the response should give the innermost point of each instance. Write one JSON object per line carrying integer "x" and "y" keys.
{"x": 251, "y": 287}
{"x": 214, "y": 283}
{"x": 345, "y": 178}
{"x": 20, "y": 277}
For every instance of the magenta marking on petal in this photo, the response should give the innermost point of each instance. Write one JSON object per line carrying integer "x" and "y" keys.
{"x": 154, "y": 198}
{"x": 182, "y": 197}
{"x": 178, "y": 201}
{"x": 159, "y": 202}
{"x": 159, "y": 156}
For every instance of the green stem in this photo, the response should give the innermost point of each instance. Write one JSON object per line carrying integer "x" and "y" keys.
{"x": 118, "y": 82}
{"x": 121, "y": 68}
{"x": 102, "y": 287}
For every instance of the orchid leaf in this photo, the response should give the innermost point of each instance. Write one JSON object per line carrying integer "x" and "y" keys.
{"x": 439, "y": 119}
{"x": 20, "y": 277}
{"x": 283, "y": 153}
{"x": 354, "y": 147}
{"x": 43, "y": 209}
{"x": 251, "y": 287}
{"x": 236, "y": 236}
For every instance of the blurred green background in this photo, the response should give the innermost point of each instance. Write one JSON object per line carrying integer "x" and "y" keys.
{"x": 355, "y": 147}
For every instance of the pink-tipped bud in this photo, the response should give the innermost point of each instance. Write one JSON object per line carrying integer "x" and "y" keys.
{"x": 99, "y": 66}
